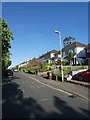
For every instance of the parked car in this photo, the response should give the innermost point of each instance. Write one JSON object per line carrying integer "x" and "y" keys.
{"x": 85, "y": 75}
{"x": 15, "y": 70}
{"x": 9, "y": 72}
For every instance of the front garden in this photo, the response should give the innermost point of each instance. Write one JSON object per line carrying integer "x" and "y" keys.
{"x": 39, "y": 68}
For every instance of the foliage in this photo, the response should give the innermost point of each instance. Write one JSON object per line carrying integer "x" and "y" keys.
{"x": 6, "y": 45}
{"x": 82, "y": 67}
{"x": 17, "y": 66}
{"x": 34, "y": 62}
{"x": 70, "y": 56}
{"x": 45, "y": 67}
{"x": 56, "y": 72}
{"x": 36, "y": 65}
{"x": 68, "y": 40}
{"x": 58, "y": 62}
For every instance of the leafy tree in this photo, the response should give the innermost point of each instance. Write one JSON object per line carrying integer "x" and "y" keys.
{"x": 34, "y": 62}
{"x": 17, "y": 66}
{"x": 58, "y": 62}
{"x": 6, "y": 36}
{"x": 70, "y": 57}
{"x": 45, "y": 67}
{"x": 68, "y": 40}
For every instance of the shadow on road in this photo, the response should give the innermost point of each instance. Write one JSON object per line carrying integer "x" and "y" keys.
{"x": 66, "y": 110}
{"x": 15, "y": 105}
{"x": 9, "y": 78}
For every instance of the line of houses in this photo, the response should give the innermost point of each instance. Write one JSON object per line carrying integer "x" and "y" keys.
{"x": 82, "y": 54}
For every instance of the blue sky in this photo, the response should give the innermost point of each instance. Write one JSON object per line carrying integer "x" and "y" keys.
{"x": 33, "y": 25}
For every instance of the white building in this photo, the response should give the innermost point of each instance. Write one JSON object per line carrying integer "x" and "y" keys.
{"x": 77, "y": 48}
{"x": 54, "y": 55}
{"x": 49, "y": 56}
{"x": 23, "y": 64}
{"x": 85, "y": 55}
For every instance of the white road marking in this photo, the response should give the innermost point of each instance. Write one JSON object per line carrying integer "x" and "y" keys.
{"x": 37, "y": 86}
{"x": 44, "y": 99}
{"x": 23, "y": 82}
{"x": 49, "y": 85}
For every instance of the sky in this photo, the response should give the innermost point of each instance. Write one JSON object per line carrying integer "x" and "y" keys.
{"x": 33, "y": 25}
{"x": 45, "y": 0}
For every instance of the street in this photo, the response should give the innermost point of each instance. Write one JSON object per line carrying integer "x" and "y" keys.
{"x": 24, "y": 97}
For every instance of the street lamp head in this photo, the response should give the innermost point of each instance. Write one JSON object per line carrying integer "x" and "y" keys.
{"x": 56, "y": 31}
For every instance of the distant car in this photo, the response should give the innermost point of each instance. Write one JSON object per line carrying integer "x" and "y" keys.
{"x": 15, "y": 70}
{"x": 9, "y": 72}
{"x": 85, "y": 75}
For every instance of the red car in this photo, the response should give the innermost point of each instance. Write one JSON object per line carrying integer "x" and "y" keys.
{"x": 85, "y": 75}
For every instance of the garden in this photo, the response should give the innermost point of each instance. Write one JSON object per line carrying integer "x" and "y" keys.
{"x": 42, "y": 68}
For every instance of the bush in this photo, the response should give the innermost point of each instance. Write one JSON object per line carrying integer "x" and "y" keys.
{"x": 44, "y": 67}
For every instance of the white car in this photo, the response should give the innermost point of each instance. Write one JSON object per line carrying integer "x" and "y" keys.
{"x": 15, "y": 70}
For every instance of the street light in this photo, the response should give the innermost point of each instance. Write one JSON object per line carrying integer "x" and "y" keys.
{"x": 59, "y": 33}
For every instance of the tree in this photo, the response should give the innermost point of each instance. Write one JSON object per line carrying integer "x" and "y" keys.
{"x": 34, "y": 62}
{"x": 58, "y": 62}
{"x": 70, "y": 57}
{"x": 68, "y": 40}
{"x": 6, "y": 36}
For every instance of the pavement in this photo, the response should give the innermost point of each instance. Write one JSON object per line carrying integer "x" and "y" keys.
{"x": 77, "y": 88}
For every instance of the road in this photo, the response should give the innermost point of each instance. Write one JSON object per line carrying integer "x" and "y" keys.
{"x": 24, "y": 97}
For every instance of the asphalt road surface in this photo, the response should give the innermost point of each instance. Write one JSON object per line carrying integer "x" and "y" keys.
{"x": 24, "y": 97}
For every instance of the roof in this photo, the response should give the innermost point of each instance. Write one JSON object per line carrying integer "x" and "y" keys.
{"x": 48, "y": 53}
{"x": 73, "y": 45}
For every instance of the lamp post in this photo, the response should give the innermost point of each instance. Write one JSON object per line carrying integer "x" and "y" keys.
{"x": 59, "y": 34}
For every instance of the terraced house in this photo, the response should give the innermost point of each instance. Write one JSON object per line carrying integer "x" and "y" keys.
{"x": 78, "y": 48}
{"x": 82, "y": 54}
{"x": 49, "y": 56}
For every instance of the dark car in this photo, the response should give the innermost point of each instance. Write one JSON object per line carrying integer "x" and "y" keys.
{"x": 85, "y": 75}
{"x": 9, "y": 72}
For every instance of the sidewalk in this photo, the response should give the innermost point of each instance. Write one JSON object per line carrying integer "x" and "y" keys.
{"x": 70, "y": 87}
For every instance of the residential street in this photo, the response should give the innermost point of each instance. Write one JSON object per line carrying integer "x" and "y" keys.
{"x": 24, "y": 96}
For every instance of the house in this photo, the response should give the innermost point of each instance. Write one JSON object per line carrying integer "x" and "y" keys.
{"x": 87, "y": 51}
{"x": 82, "y": 53}
{"x": 57, "y": 56}
{"x": 23, "y": 64}
{"x": 76, "y": 48}
{"x": 85, "y": 54}
{"x": 49, "y": 56}
{"x": 88, "y": 54}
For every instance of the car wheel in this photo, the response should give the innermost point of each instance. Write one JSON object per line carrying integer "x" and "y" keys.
{"x": 81, "y": 78}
